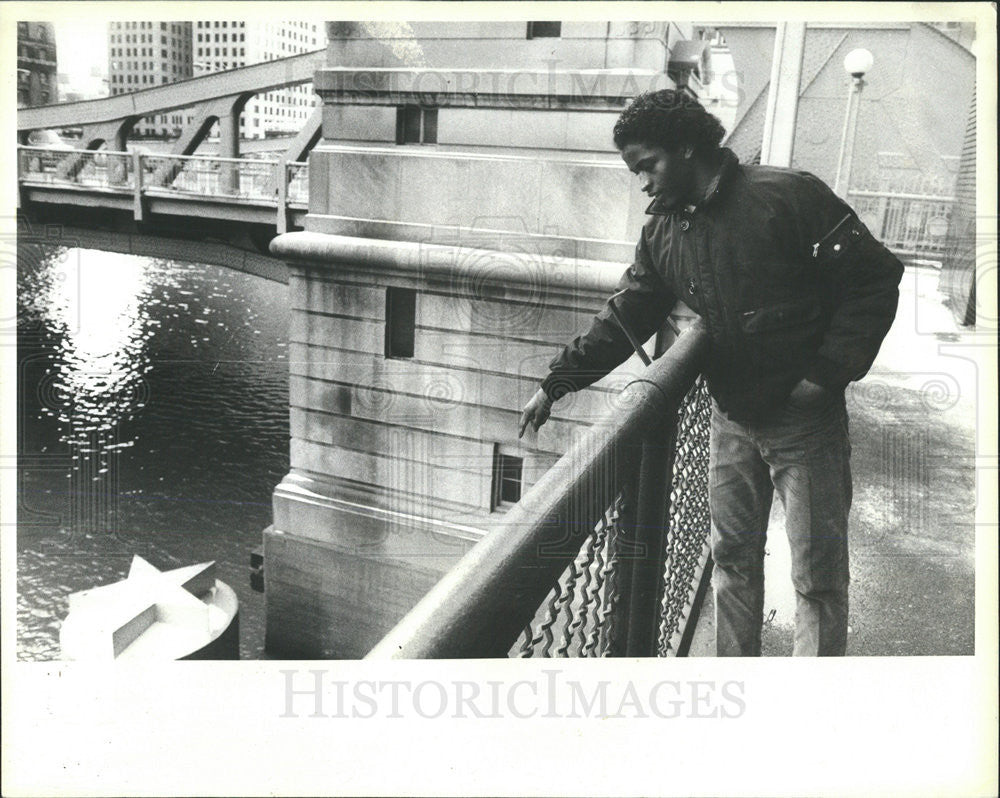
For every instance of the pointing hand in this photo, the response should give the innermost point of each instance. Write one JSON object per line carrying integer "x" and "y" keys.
{"x": 536, "y": 412}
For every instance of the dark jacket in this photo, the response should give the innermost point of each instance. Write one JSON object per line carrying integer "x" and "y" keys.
{"x": 788, "y": 280}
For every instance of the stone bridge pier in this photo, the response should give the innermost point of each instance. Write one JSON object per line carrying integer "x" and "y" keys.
{"x": 468, "y": 213}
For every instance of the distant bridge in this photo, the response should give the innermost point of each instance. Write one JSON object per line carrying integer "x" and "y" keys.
{"x": 218, "y": 97}
{"x": 182, "y": 183}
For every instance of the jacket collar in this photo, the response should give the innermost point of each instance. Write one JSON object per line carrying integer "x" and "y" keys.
{"x": 727, "y": 168}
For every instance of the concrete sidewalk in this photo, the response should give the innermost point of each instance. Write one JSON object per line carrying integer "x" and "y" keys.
{"x": 912, "y": 528}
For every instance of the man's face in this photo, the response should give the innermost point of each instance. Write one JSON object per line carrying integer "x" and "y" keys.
{"x": 667, "y": 174}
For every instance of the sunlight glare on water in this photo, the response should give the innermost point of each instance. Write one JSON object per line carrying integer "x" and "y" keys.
{"x": 153, "y": 420}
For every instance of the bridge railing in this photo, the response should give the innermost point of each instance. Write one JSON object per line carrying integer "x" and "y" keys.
{"x": 88, "y": 168}
{"x": 607, "y": 555}
{"x": 238, "y": 178}
{"x": 247, "y": 179}
{"x": 910, "y": 214}
{"x": 912, "y": 226}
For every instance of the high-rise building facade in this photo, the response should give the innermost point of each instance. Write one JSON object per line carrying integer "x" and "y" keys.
{"x": 230, "y": 44}
{"x": 36, "y": 64}
{"x": 142, "y": 55}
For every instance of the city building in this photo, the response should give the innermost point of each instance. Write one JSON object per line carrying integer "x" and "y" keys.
{"x": 36, "y": 64}
{"x": 146, "y": 54}
{"x": 142, "y": 55}
{"x": 221, "y": 45}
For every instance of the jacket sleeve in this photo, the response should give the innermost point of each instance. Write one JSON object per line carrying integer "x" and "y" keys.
{"x": 645, "y": 305}
{"x": 863, "y": 277}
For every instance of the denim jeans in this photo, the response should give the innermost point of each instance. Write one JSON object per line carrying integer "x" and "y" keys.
{"x": 803, "y": 452}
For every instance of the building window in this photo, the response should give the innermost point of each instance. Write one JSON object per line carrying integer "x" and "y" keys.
{"x": 507, "y": 472}
{"x": 430, "y": 126}
{"x": 544, "y": 30}
{"x": 400, "y": 321}
{"x": 416, "y": 125}
{"x": 408, "y": 124}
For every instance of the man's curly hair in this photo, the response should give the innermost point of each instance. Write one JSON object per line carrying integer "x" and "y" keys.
{"x": 668, "y": 119}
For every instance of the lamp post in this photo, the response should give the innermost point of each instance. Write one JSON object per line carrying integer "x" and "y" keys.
{"x": 856, "y": 64}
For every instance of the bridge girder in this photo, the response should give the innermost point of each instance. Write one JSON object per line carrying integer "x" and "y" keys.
{"x": 250, "y": 80}
{"x": 224, "y": 110}
{"x": 114, "y": 134}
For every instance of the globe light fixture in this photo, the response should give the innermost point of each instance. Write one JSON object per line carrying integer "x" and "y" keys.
{"x": 858, "y": 62}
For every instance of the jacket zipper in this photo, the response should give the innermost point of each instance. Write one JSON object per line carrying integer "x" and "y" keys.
{"x": 836, "y": 227}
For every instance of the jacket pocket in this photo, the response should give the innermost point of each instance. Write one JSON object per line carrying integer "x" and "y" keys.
{"x": 785, "y": 315}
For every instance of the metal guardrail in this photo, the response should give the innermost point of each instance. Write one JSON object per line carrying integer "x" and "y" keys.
{"x": 242, "y": 179}
{"x": 236, "y": 178}
{"x": 625, "y": 586}
{"x": 86, "y": 168}
{"x": 911, "y": 225}
{"x": 909, "y": 212}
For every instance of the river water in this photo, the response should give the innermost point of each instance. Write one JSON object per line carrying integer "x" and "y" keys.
{"x": 152, "y": 420}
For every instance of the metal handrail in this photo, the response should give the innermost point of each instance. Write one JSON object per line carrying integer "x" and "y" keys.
{"x": 207, "y": 158}
{"x": 151, "y": 157}
{"x": 256, "y": 180}
{"x": 480, "y": 607}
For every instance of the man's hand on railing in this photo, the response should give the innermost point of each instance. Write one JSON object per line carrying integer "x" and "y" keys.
{"x": 536, "y": 412}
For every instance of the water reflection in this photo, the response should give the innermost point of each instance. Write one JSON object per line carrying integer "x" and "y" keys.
{"x": 97, "y": 381}
{"x": 152, "y": 420}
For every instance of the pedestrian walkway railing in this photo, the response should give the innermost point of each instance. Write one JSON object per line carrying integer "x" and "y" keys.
{"x": 910, "y": 215}
{"x": 84, "y": 168}
{"x": 606, "y": 555}
{"x": 246, "y": 180}
{"x": 232, "y": 178}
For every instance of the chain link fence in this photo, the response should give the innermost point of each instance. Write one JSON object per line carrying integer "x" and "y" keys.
{"x": 578, "y": 617}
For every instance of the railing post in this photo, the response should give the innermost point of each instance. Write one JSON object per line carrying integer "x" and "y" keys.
{"x": 883, "y": 208}
{"x": 624, "y": 551}
{"x": 229, "y": 148}
{"x": 137, "y": 209}
{"x": 229, "y": 177}
{"x": 651, "y": 530}
{"x": 282, "y": 182}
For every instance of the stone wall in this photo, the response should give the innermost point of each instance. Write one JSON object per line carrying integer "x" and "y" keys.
{"x": 430, "y": 289}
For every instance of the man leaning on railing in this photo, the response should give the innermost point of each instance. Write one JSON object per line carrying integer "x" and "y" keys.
{"x": 797, "y": 296}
